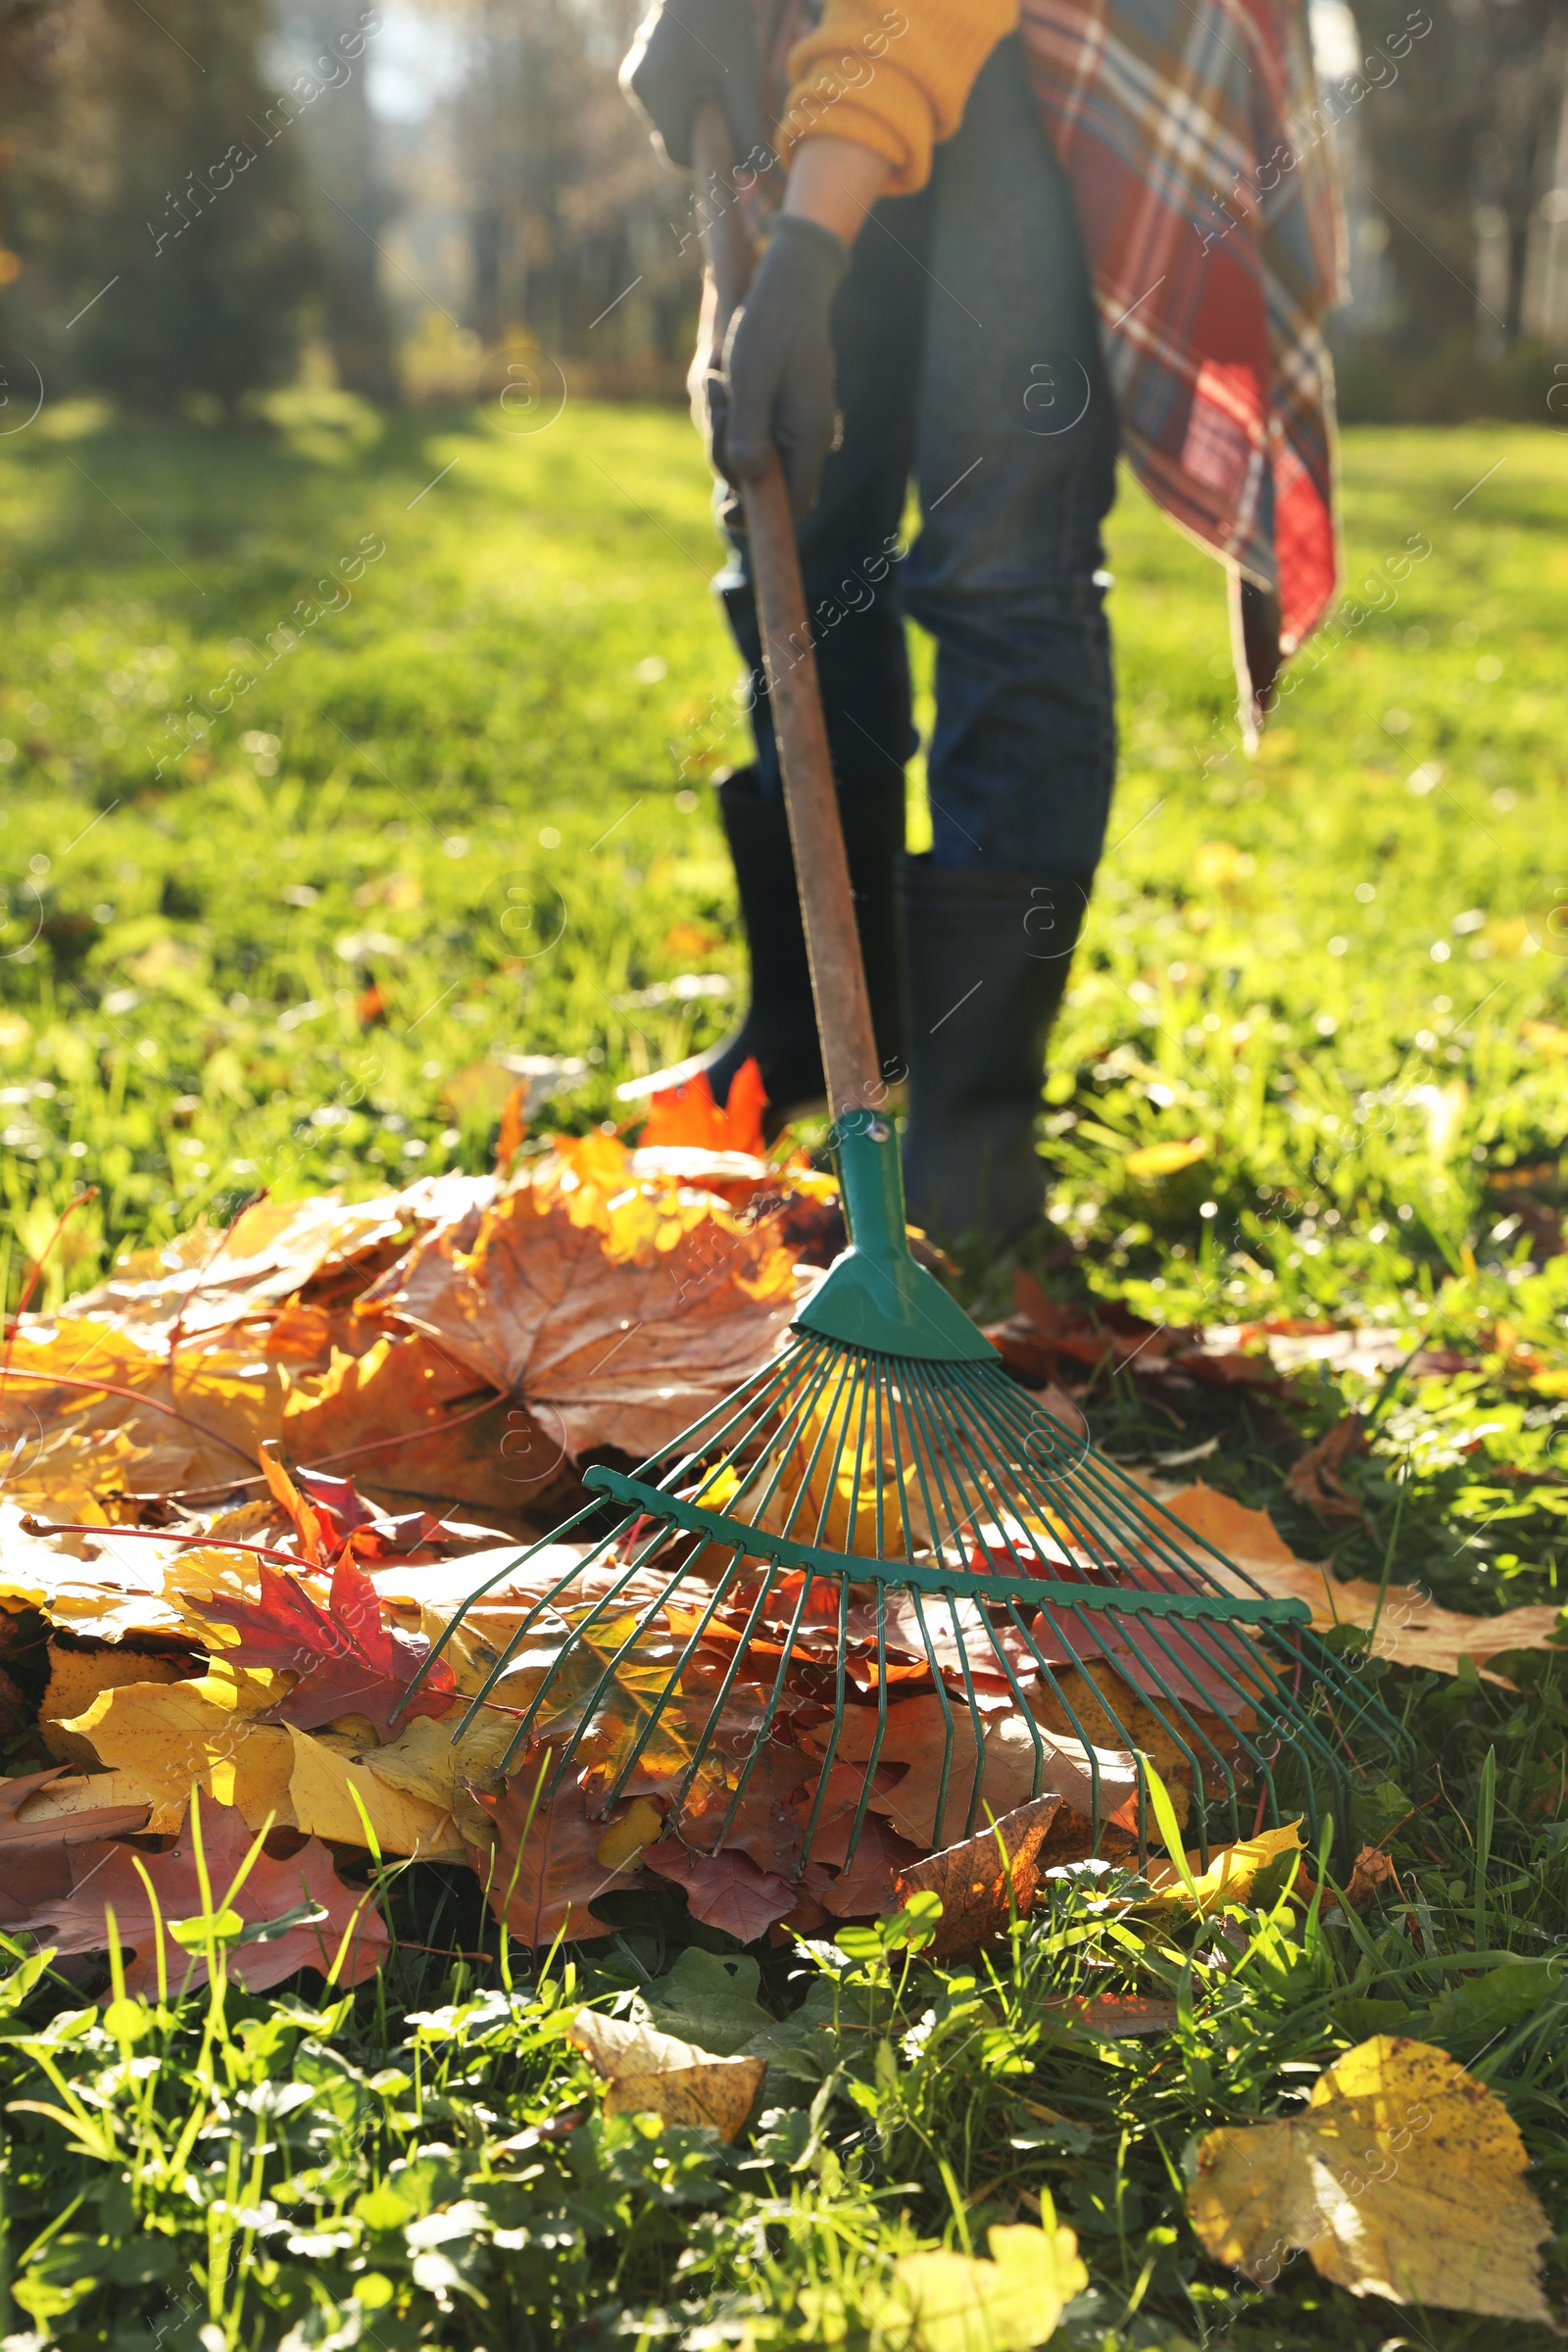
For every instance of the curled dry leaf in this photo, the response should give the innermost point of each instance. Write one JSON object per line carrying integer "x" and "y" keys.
{"x": 108, "y": 1878}
{"x": 1231, "y": 1876}
{"x": 1314, "y": 1477}
{"x": 1406, "y": 1629}
{"x": 649, "y": 2073}
{"x": 985, "y": 1880}
{"x": 1403, "y": 2177}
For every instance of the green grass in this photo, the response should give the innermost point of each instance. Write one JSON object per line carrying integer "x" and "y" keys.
{"x": 269, "y": 964}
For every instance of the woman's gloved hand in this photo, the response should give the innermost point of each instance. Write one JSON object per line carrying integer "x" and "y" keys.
{"x": 778, "y": 362}
{"x": 687, "y": 51}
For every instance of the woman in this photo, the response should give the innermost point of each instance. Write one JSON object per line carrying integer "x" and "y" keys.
{"x": 953, "y": 293}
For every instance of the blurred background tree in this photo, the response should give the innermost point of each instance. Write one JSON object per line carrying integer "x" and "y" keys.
{"x": 471, "y": 183}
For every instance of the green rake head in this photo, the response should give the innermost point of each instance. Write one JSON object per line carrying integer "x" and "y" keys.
{"x": 882, "y": 1567}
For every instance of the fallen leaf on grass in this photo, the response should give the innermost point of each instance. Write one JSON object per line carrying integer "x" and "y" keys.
{"x": 1314, "y": 1477}
{"x": 985, "y": 1880}
{"x": 1113, "y": 2016}
{"x": 1410, "y": 1630}
{"x": 1403, "y": 2177}
{"x": 959, "y": 2303}
{"x": 35, "y": 1855}
{"x": 649, "y": 2073}
{"x": 345, "y": 1659}
{"x": 1231, "y": 1876}
{"x": 107, "y": 1878}
{"x": 1371, "y": 1870}
{"x": 724, "y": 1890}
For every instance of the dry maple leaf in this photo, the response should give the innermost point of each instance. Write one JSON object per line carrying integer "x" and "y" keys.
{"x": 35, "y": 1856}
{"x": 1406, "y": 1629}
{"x": 106, "y": 1878}
{"x": 984, "y": 1881}
{"x": 403, "y": 1402}
{"x": 348, "y": 1661}
{"x": 649, "y": 2073}
{"x": 724, "y": 1890}
{"x": 918, "y": 1736}
{"x": 625, "y": 1334}
{"x": 687, "y": 1114}
{"x": 544, "y": 1869}
{"x": 1403, "y": 2177}
{"x": 866, "y": 1887}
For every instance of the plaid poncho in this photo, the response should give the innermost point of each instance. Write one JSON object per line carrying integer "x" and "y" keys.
{"x": 1206, "y": 196}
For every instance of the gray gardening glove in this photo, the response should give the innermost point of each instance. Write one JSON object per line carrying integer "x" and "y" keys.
{"x": 689, "y": 50}
{"x": 778, "y": 362}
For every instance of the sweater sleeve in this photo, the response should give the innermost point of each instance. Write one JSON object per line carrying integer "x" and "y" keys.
{"x": 894, "y": 77}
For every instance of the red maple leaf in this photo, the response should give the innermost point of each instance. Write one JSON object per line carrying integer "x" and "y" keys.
{"x": 105, "y": 1877}
{"x": 725, "y": 1890}
{"x": 348, "y": 1660}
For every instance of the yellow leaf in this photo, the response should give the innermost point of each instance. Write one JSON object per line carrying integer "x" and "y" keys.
{"x": 169, "y": 1735}
{"x": 87, "y": 1792}
{"x": 1404, "y": 2176}
{"x": 78, "y": 1677}
{"x": 1231, "y": 1873}
{"x": 957, "y": 2303}
{"x": 1153, "y": 1160}
{"x": 318, "y": 1789}
{"x": 641, "y": 1824}
{"x": 649, "y": 2073}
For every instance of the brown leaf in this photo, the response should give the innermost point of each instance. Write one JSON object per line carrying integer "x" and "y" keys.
{"x": 405, "y": 1412}
{"x": 544, "y": 1872}
{"x": 36, "y": 1865}
{"x": 649, "y": 2073}
{"x": 620, "y": 1306}
{"x": 106, "y": 1878}
{"x": 1115, "y": 2016}
{"x": 919, "y": 1736}
{"x": 865, "y": 1886}
{"x": 724, "y": 1891}
{"x": 984, "y": 1879}
{"x": 1314, "y": 1477}
{"x": 1410, "y": 1629}
{"x": 1371, "y": 1870}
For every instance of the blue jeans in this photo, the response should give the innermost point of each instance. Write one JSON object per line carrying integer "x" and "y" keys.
{"x": 968, "y": 357}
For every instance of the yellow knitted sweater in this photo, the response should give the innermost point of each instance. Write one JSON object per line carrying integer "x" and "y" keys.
{"x": 891, "y": 77}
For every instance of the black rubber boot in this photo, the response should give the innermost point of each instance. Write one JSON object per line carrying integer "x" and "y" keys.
{"x": 780, "y": 1025}
{"x": 987, "y": 956}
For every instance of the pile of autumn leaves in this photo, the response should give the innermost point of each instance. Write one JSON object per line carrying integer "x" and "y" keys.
{"x": 229, "y": 1545}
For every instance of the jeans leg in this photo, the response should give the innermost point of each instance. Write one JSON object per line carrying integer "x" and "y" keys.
{"x": 1015, "y": 463}
{"x": 848, "y": 542}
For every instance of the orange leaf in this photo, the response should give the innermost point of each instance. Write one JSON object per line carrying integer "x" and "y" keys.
{"x": 689, "y": 1114}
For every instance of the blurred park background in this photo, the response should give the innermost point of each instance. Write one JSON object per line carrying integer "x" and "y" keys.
{"x": 430, "y": 182}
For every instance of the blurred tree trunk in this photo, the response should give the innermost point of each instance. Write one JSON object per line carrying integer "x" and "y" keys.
{"x": 1462, "y": 148}
{"x": 355, "y": 205}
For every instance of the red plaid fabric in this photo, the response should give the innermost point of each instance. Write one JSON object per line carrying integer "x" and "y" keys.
{"x": 1207, "y": 200}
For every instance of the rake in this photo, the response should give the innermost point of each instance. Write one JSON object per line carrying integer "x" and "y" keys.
{"x": 881, "y": 1511}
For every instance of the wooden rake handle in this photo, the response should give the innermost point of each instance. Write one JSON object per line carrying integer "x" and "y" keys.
{"x": 828, "y": 905}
